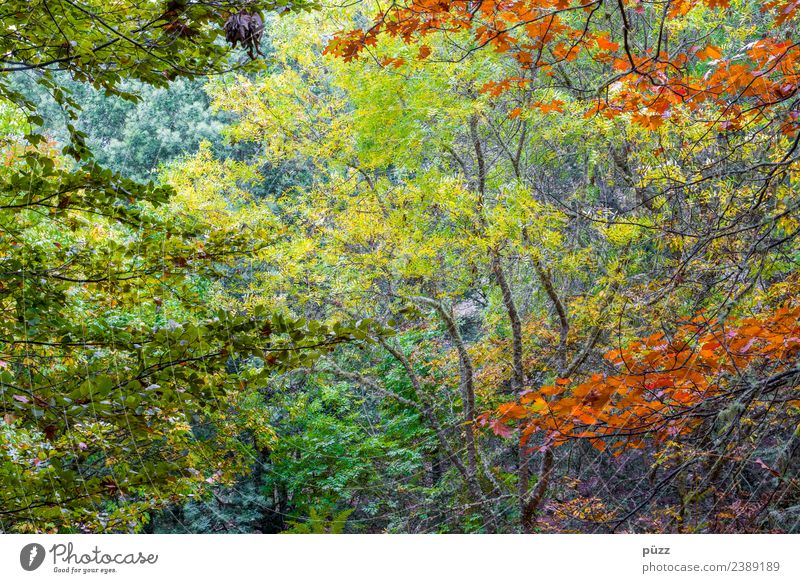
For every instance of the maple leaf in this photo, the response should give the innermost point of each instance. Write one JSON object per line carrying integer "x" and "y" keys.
{"x": 500, "y": 429}
{"x": 710, "y": 53}
{"x": 650, "y": 122}
{"x": 606, "y": 44}
{"x": 556, "y": 105}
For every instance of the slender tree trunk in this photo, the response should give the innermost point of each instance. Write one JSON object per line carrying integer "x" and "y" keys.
{"x": 517, "y": 375}
{"x": 563, "y": 322}
{"x": 530, "y": 501}
{"x": 426, "y": 408}
{"x": 531, "y": 505}
{"x": 467, "y": 386}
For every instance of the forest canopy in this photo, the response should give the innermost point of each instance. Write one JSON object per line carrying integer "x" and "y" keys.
{"x": 431, "y": 266}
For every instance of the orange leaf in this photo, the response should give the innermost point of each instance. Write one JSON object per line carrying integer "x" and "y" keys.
{"x": 710, "y": 53}
{"x": 606, "y": 45}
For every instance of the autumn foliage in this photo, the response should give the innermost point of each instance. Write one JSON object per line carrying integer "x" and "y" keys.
{"x": 662, "y": 387}
{"x": 656, "y": 76}
{"x": 649, "y": 64}
{"x": 490, "y": 266}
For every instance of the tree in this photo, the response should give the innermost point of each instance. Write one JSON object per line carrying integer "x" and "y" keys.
{"x": 562, "y": 235}
{"x": 408, "y": 223}
{"x": 447, "y": 193}
{"x": 721, "y": 112}
{"x": 114, "y": 367}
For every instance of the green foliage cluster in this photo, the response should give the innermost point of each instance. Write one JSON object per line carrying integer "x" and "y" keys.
{"x": 118, "y": 373}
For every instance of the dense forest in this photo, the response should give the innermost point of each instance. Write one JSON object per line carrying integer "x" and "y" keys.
{"x": 428, "y": 266}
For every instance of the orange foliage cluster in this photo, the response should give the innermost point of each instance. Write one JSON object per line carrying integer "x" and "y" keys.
{"x": 661, "y": 385}
{"x": 648, "y": 83}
